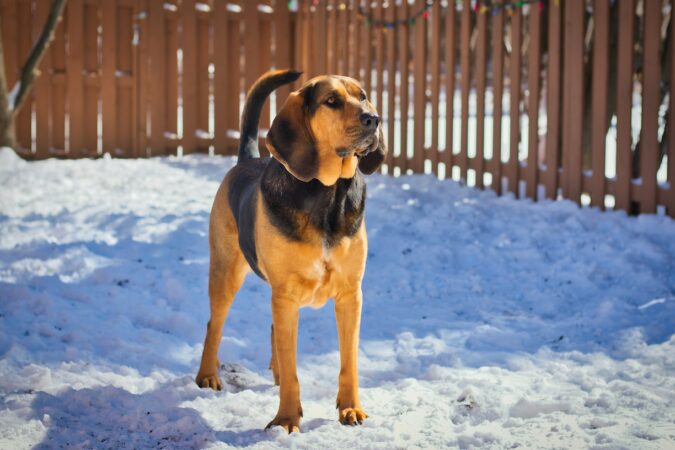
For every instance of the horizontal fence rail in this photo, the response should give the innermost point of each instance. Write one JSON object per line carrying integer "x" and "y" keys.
{"x": 541, "y": 99}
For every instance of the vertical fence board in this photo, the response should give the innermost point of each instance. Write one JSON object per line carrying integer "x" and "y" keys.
{"x": 221, "y": 73}
{"x": 41, "y": 89}
{"x": 234, "y": 77}
{"x": 125, "y": 87}
{"x": 142, "y": 74}
{"x": 497, "y": 95}
{"x": 202, "y": 75}
{"x": 10, "y": 33}
{"x": 624, "y": 98}
{"x": 533, "y": 55}
{"x": 651, "y": 101}
{"x": 320, "y": 41}
{"x": 158, "y": 75}
{"x": 574, "y": 93}
{"x": 367, "y": 42}
{"x": 553, "y": 94}
{"x": 599, "y": 106}
{"x": 282, "y": 52}
{"x": 332, "y": 38}
{"x": 435, "y": 50}
{"x": 57, "y": 51}
{"x": 391, "y": 85}
{"x": 481, "y": 50}
{"x": 171, "y": 81}
{"x": 22, "y": 122}
{"x": 379, "y": 56}
{"x": 343, "y": 42}
{"x": 419, "y": 63}
{"x": 264, "y": 64}
{"x": 670, "y": 200}
{"x": 465, "y": 62}
{"x": 404, "y": 55}
{"x": 108, "y": 81}
{"x": 354, "y": 51}
{"x": 513, "y": 164}
{"x": 92, "y": 87}
{"x": 449, "y": 62}
{"x": 75, "y": 80}
{"x": 189, "y": 79}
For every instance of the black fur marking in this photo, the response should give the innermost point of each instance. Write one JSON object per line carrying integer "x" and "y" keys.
{"x": 242, "y": 195}
{"x": 292, "y": 205}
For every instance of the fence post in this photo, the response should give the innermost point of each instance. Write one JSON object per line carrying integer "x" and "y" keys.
{"x": 624, "y": 101}
{"x": 497, "y": 89}
{"x": 553, "y": 95}
{"x": 513, "y": 164}
{"x": 533, "y": 55}
{"x": 600, "y": 89}
{"x": 465, "y": 59}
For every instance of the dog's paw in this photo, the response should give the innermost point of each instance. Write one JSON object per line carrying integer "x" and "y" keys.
{"x": 209, "y": 381}
{"x": 352, "y": 416}
{"x": 290, "y": 424}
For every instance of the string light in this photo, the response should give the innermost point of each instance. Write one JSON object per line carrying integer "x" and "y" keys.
{"x": 479, "y": 7}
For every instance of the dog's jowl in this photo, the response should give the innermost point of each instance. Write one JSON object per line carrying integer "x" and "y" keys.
{"x": 297, "y": 221}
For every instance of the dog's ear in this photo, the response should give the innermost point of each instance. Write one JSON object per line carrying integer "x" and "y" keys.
{"x": 372, "y": 160}
{"x": 290, "y": 141}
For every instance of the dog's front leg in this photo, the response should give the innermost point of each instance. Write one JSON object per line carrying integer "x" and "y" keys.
{"x": 285, "y": 313}
{"x": 348, "y": 317}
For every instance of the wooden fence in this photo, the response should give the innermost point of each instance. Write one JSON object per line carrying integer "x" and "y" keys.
{"x": 543, "y": 99}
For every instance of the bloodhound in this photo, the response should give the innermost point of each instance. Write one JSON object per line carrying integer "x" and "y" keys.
{"x": 296, "y": 220}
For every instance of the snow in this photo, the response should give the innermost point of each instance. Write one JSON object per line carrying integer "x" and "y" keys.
{"x": 488, "y": 322}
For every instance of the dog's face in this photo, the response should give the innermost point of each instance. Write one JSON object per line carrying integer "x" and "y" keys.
{"x": 326, "y": 129}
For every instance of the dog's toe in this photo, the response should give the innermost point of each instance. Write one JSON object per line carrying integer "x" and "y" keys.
{"x": 290, "y": 424}
{"x": 352, "y": 416}
{"x": 209, "y": 381}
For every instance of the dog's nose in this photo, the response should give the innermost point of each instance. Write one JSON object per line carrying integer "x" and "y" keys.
{"x": 369, "y": 120}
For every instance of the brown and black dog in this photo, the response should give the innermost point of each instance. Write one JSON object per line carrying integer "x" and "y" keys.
{"x": 297, "y": 221}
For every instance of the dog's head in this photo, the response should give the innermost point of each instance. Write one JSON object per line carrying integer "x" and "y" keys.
{"x": 326, "y": 129}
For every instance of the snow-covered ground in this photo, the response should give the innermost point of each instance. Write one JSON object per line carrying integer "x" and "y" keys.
{"x": 487, "y": 322}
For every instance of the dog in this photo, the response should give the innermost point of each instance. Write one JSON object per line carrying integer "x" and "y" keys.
{"x": 297, "y": 220}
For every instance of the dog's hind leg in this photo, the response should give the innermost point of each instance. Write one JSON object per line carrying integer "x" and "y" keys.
{"x": 227, "y": 271}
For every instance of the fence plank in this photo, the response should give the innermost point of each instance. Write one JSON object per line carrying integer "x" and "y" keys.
{"x": 419, "y": 101}
{"x": 573, "y": 120}
{"x": 171, "y": 45}
{"x": 533, "y": 55}
{"x": 331, "y": 63}
{"x": 465, "y": 62}
{"x": 449, "y": 61}
{"x": 41, "y": 89}
{"x": 403, "y": 62}
{"x": 343, "y": 41}
{"x": 670, "y": 193}
{"x": 234, "y": 80}
{"x": 157, "y": 91}
{"x": 141, "y": 73}
{"x": 8, "y": 16}
{"x": 553, "y": 100}
{"x": 435, "y": 50}
{"x": 481, "y": 51}
{"x": 282, "y": 53}
{"x": 202, "y": 74}
{"x": 189, "y": 80}
{"x": 22, "y": 122}
{"x": 74, "y": 73}
{"x": 599, "y": 106}
{"x": 354, "y": 41}
{"x": 108, "y": 82}
{"x": 221, "y": 73}
{"x": 367, "y": 42}
{"x": 379, "y": 57}
{"x": 513, "y": 164}
{"x": 624, "y": 104}
{"x": 264, "y": 64}
{"x": 320, "y": 40}
{"x": 124, "y": 109}
{"x": 91, "y": 90}
{"x": 57, "y": 51}
{"x": 651, "y": 101}
{"x": 391, "y": 85}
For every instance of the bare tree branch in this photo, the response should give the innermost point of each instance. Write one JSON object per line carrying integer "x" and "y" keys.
{"x": 29, "y": 71}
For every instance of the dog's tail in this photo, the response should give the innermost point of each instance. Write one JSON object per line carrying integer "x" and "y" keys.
{"x": 261, "y": 89}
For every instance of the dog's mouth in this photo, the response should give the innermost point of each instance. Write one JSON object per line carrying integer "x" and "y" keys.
{"x": 360, "y": 146}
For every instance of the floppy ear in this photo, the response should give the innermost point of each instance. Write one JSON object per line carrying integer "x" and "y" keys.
{"x": 372, "y": 160}
{"x": 290, "y": 141}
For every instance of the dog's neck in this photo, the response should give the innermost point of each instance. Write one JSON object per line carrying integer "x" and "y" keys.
{"x": 333, "y": 211}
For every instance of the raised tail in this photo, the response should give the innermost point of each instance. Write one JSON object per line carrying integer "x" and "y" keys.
{"x": 261, "y": 89}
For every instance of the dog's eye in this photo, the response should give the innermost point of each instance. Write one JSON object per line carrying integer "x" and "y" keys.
{"x": 362, "y": 97}
{"x": 332, "y": 101}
